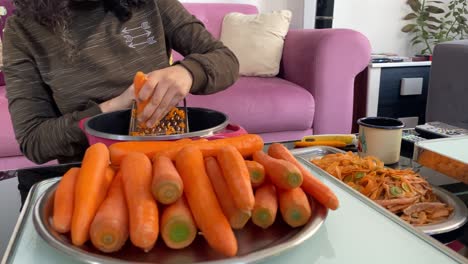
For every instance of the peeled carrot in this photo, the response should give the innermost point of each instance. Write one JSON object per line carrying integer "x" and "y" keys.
{"x": 138, "y": 81}
{"x": 109, "y": 229}
{"x": 143, "y": 211}
{"x": 203, "y": 203}
{"x": 167, "y": 185}
{"x": 237, "y": 217}
{"x": 282, "y": 173}
{"x": 245, "y": 144}
{"x": 237, "y": 177}
{"x": 266, "y": 206}
{"x": 256, "y": 172}
{"x": 178, "y": 228}
{"x": 311, "y": 184}
{"x": 90, "y": 190}
{"x": 331, "y": 143}
{"x": 294, "y": 206}
{"x": 63, "y": 201}
{"x": 120, "y": 149}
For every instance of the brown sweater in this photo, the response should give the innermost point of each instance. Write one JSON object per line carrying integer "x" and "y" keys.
{"x": 48, "y": 94}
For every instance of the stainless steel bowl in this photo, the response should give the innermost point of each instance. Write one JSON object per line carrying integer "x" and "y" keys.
{"x": 114, "y": 125}
{"x": 255, "y": 244}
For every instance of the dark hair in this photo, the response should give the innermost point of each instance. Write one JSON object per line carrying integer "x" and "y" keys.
{"x": 55, "y": 14}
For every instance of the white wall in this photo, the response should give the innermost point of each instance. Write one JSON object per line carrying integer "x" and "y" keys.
{"x": 380, "y": 20}
{"x": 296, "y": 6}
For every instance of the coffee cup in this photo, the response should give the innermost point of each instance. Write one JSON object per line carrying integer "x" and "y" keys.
{"x": 380, "y": 137}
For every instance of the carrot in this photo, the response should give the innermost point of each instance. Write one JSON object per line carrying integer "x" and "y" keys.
{"x": 237, "y": 177}
{"x": 120, "y": 149}
{"x": 142, "y": 208}
{"x": 294, "y": 206}
{"x": 282, "y": 173}
{"x": 245, "y": 144}
{"x": 203, "y": 203}
{"x": 167, "y": 185}
{"x": 311, "y": 184}
{"x": 237, "y": 217}
{"x": 266, "y": 206}
{"x": 63, "y": 201}
{"x": 178, "y": 229}
{"x": 138, "y": 81}
{"x": 109, "y": 229}
{"x": 256, "y": 172}
{"x": 90, "y": 190}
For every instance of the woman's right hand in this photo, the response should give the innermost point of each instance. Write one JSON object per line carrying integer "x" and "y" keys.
{"x": 120, "y": 102}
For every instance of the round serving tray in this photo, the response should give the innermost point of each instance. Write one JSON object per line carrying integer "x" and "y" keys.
{"x": 255, "y": 244}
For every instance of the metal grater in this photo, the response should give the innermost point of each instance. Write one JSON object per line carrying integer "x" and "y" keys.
{"x": 175, "y": 122}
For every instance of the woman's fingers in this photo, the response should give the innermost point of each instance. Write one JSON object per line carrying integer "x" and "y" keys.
{"x": 169, "y": 100}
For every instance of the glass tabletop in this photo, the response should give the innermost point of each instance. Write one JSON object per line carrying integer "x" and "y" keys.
{"x": 358, "y": 232}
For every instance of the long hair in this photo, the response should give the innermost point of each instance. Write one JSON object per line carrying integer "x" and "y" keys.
{"x": 55, "y": 14}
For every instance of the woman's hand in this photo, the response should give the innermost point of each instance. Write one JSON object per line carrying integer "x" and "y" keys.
{"x": 120, "y": 102}
{"x": 164, "y": 89}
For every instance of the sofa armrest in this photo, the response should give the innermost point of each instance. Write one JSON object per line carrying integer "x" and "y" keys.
{"x": 325, "y": 62}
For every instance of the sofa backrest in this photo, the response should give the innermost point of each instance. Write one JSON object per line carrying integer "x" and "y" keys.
{"x": 212, "y": 15}
{"x": 8, "y": 5}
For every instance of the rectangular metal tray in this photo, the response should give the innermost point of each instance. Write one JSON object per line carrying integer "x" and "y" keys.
{"x": 447, "y": 155}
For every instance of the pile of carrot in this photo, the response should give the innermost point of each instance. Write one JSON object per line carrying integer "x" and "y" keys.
{"x": 136, "y": 191}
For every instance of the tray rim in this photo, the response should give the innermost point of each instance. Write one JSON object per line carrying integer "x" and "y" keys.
{"x": 394, "y": 218}
{"x": 305, "y": 233}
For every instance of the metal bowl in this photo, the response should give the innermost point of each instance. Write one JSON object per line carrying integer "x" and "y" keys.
{"x": 255, "y": 244}
{"x": 114, "y": 125}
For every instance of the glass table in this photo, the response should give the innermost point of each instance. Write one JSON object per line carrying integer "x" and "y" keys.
{"x": 359, "y": 232}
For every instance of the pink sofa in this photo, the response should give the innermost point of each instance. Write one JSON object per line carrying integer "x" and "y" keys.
{"x": 313, "y": 93}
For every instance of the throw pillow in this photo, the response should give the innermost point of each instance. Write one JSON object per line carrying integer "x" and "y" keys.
{"x": 257, "y": 40}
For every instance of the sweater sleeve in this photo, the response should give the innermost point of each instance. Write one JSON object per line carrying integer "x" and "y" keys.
{"x": 213, "y": 66}
{"x": 42, "y": 132}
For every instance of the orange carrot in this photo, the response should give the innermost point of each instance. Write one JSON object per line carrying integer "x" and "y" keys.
{"x": 294, "y": 206}
{"x": 63, "y": 201}
{"x": 256, "y": 172}
{"x": 237, "y": 217}
{"x": 311, "y": 184}
{"x": 109, "y": 229}
{"x": 203, "y": 203}
{"x": 266, "y": 206}
{"x": 282, "y": 173}
{"x": 142, "y": 208}
{"x": 90, "y": 190}
{"x": 120, "y": 149}
{"x": 178, "y": 228}
{"x": 237, "y": 177}
{"x": 167, "y": 185}
{"x": 138, "y": 82}
{"x": 245, "y": 144}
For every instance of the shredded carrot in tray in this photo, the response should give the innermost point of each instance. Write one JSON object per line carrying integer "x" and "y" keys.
{"x": 403, "y": 192}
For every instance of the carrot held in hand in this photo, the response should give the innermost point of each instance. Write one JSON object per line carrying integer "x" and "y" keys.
{"x": 237, "y": 177}
{"x": 142, "y": 208}
{"x": 256, "y": 172}
{"x": 237, "y": 217}
{"x": 294, "y": 206}
{"x": 64, "y": 200}
{"x": 266, "y": 206}
{"x": 167, "y": 185}
{"x": 282, "y": 173}
{"x": 138, "y": 81}
{"x": 178, "y": 228}
{"x": 91, "y": 188}
{"x": 311, "y": 184}
{"x": 109, "y": 229}
{"x": 203, "y": 203}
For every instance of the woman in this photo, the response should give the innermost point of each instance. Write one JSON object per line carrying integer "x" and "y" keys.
{"x": 65, "y": 60}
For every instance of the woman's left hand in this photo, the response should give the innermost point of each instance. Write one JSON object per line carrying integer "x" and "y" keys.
{"x": 165, "y": 89}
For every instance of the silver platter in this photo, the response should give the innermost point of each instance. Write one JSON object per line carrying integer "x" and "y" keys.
{"x": 255, "y": 244}
{"x": 456, "y": 220}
